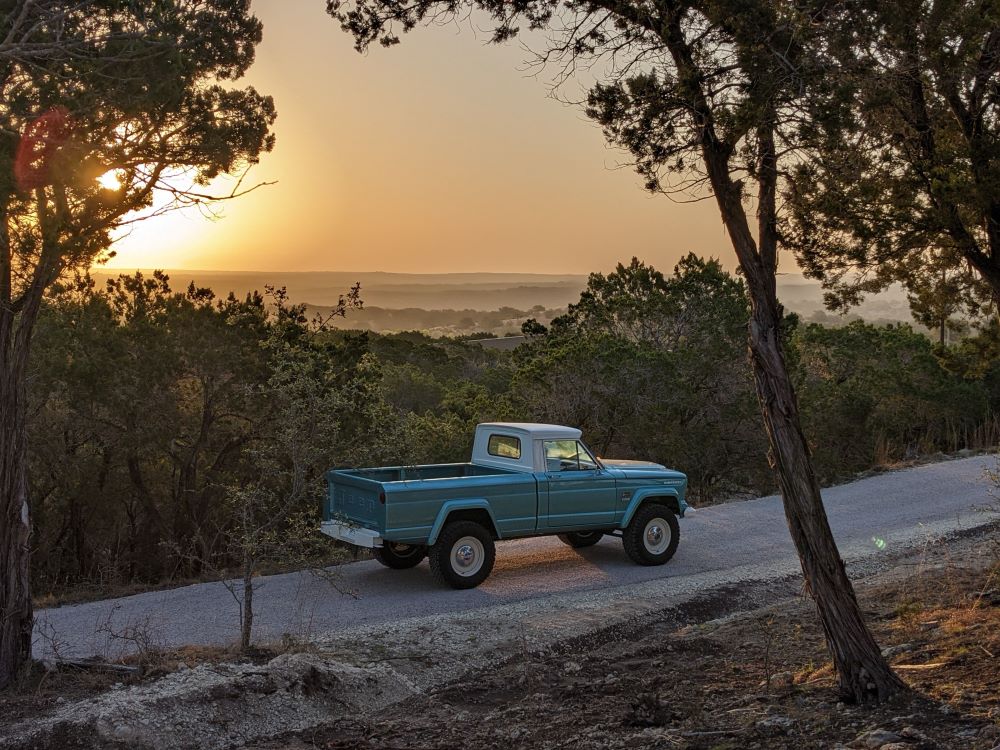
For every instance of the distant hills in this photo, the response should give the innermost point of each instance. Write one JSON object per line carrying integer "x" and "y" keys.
{"x": 478, "y": 291}
{"x": 460, "y": 303}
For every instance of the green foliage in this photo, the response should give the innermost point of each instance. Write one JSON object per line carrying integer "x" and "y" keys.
{"x": 140, "y": 88}
{"x": 654, "y": 367}
{"x": 879, "y": 393}
{"x": 174, "y": 434}
{"x": 902, "y": 178}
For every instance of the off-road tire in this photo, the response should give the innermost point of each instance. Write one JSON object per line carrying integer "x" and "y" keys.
{"x": 400, "y": 556}
{"x": 579, "y": 539}
{"x": 457, "y": 542}
{"x": 643, "y": 537}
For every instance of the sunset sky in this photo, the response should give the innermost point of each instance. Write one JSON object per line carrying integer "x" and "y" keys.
{"x": 441, "y": 154}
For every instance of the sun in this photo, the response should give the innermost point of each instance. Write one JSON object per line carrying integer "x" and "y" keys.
{"x": 109, "y": 180}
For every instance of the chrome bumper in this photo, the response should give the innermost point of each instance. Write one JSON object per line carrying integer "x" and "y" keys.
{"x": 356, "y": 535}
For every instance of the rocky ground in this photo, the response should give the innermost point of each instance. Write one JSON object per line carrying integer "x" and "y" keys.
{"x": 757, "y": 680}
{"x": 716, "y": 672}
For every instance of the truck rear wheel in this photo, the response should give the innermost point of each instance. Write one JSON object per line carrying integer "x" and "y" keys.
{"x": 652, "y": 535}
{"x": 463, "y": 555}
{"x": 578, "y": 539}
{"x": 400, "y": 556}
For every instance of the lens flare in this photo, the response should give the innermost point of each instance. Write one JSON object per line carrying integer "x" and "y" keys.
{"x": 879, "y": 542}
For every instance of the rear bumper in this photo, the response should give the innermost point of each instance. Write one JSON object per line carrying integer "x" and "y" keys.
{"x": 356, "y": 535}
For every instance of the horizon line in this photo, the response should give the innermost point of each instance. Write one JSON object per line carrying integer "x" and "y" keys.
{"x": 124, "y": 269}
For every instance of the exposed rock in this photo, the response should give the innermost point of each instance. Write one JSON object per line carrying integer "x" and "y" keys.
{"x": 902, "y": 648}
{"x": 189, "y": 709}
{"x": 876, "y": 738}
{"x": 776, "y": 724}
{"x": 782, "y": 679}
{"x": 912, "y": 733}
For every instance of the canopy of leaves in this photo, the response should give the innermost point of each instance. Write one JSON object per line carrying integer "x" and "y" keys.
{"x": 139, "y": 90}
{"x": 902, "y": 175}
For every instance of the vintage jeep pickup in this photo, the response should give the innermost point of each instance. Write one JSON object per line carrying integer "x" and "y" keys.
{"x": 523, "y": 480}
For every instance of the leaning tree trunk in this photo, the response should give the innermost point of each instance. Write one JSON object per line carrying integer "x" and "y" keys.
{"x": 15, "y": 584}
{"x": 863, "y": 674}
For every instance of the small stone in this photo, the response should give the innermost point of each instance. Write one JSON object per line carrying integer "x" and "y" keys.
{"x": 782, "y": 679}
{"x": 571, "y": 667}
{"x": 912, "y": 733}
{"x": 777, "y": 724}
{"x": 876, "y": 738}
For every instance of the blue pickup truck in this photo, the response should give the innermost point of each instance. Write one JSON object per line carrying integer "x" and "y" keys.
{"x": 523, "y": 480}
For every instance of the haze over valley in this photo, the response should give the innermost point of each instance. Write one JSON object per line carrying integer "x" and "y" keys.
{"x": 463, "y": 303}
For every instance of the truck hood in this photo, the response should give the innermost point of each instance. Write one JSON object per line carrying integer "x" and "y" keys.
{"x": 621, "y": 463}
{"x": 643, "y": 470}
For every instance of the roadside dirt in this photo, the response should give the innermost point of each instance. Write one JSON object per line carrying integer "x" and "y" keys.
{"x": 757, "y": 680}
{"x": 713, "y": 672}
{"x": 43, "y": 689}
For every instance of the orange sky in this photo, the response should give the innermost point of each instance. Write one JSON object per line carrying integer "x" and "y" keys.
{"x": 441, "y": 154}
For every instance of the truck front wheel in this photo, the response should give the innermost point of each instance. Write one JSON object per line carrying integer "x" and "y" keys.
{"x": 463, "y": 555}
{"x": 652, "y": 535}
{"x": 400, "y": 556}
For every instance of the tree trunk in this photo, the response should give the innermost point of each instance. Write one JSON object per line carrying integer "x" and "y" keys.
{"x": 863, "y": 674}
{"x": 15, "y": 525}
{"x": 246, "y": 622}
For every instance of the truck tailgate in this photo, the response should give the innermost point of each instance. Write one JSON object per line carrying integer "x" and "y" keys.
{"x": 360, "y": 501}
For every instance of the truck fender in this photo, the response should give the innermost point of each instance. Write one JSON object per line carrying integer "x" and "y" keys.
{"x": 644, "y": 493}
{"x": 453, "y": 505}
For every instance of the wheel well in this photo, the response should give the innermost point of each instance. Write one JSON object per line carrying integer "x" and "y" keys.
{"x": 668, "y": 500}
{"x": 479, "y": 515}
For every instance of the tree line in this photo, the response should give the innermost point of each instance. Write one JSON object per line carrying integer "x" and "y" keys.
{"x": 160, "y": 418}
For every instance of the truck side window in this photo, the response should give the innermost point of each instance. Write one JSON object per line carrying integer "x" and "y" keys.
{"x": 567, "y": 455}
{"x": 504, "y": 446}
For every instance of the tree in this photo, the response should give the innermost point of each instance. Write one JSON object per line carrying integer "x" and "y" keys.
{"x": 946, "y": 298}
{"x": 877, "y": 393}
{"x": 129, "y": 92}
{"x": 654, "y": 367}
{"x": 903, "y": 170}
{"x": 704, "y": 91}
{"x": 271, "y": 515}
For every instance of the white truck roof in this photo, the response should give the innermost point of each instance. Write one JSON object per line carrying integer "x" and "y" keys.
{"x": 522, "y": 451}
{"x": 536, "y": 430}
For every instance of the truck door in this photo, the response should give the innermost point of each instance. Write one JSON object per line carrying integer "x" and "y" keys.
{"x": 580, "y": 493}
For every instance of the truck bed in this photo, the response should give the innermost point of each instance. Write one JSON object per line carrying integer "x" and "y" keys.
{"x": 400, "y": 503}
{"x": 386, "y": 474}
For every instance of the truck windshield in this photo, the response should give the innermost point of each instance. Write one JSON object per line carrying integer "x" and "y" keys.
{"x": 568, "y": 455}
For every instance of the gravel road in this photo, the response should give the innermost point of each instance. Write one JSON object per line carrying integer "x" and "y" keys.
{"x": 720, "y": 545}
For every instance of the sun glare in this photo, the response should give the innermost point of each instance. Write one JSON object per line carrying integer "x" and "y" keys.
{"x": 109, "y": 180}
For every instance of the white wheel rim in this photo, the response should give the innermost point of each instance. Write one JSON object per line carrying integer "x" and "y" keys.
{"x": 467, "y": 555}
{"x": 656, "y": 536}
